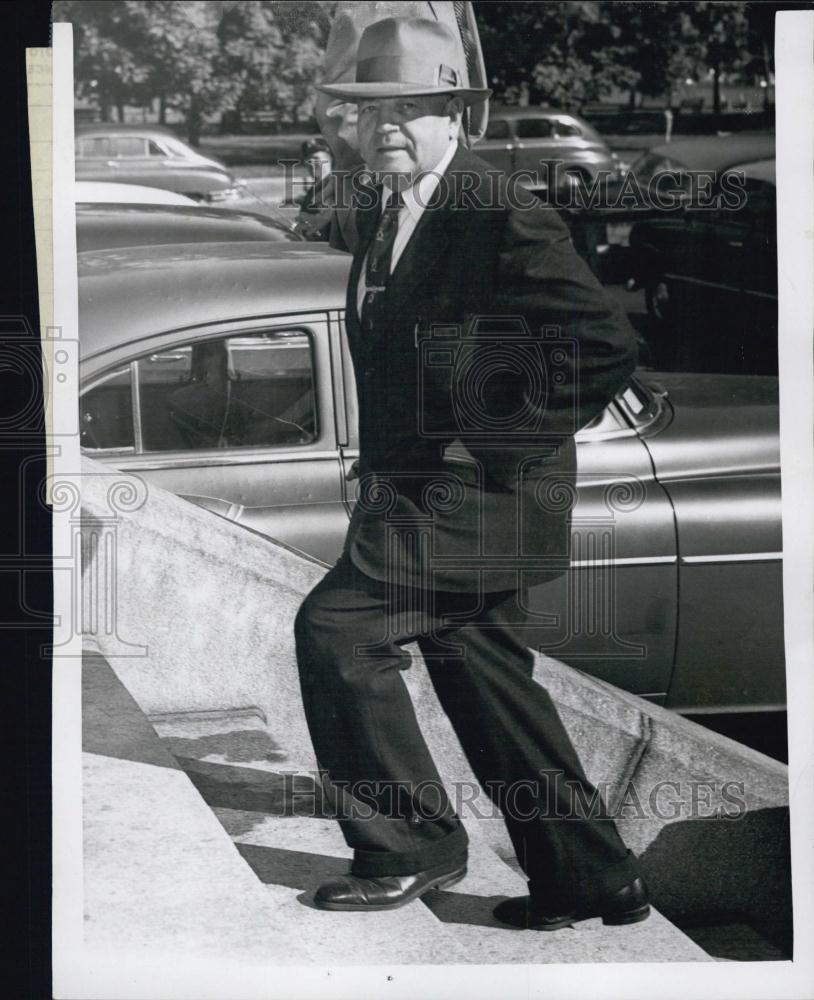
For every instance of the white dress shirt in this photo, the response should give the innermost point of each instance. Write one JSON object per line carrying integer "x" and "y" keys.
{"x": 416, "y": 198}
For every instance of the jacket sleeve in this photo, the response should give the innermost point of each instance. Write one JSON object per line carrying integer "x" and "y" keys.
{"x": 588, "y": 346}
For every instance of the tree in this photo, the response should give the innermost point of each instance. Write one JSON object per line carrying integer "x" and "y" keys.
{"x": 177, "y": 42}
{"x": 721, "y": 42}
{"x": 275, "y": 52}
{"x": 106, "y": 71}
{"x": 645, "y": 46}
{"x": 199, "y": 57}
{"x": 546, "y": 53}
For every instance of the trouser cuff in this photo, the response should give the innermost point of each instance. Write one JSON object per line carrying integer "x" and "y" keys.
{"x": 374, "y": 864}
{"x": 602, "y": 883}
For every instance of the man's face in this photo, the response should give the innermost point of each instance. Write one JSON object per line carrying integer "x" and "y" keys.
{"x": 404, "y": 135}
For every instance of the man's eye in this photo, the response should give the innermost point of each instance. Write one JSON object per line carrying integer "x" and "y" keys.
{"x": 366, "y": 109}
{"x": 408, "y": 105}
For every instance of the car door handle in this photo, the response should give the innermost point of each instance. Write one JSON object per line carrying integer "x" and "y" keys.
{"x": 736, "y": 243}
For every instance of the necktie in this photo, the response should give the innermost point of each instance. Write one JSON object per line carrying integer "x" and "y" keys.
{"x": 379, "y": 255}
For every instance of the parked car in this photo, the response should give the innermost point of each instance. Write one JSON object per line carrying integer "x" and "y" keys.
{"x": 710, "y": 274}
{"x": 220, "y": 372}
{"x": 153, "y": 156}
{"x": 110, "y": 193}
{"x": 629, "y": 133}
{"x": 520, "y": 138}
{"x": 100, "y": 226}
{"x": 716, "y": 153}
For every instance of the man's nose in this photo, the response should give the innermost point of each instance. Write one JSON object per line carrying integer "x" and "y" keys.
{"x": 385, "y": 120}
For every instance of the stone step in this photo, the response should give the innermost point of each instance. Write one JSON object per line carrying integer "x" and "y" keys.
{"x": 291, "y": 849}
{"x": 229, "y": 641}
{"x": 163, "y": 876}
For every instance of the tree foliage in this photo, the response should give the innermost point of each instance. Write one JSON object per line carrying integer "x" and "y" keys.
{"x": 205, "y": 58}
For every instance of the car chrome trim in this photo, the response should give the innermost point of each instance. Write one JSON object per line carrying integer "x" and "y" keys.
{"x": 93, "y": 452}
{"x": 172, "y": 461}
{"x": 733, "y": 557}
{"x": 700, "y": 281}
{"x": 626, "y": 561}
{"x": 135, "y": 397}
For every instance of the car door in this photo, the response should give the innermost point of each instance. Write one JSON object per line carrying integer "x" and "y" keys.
{"x": 237, "y": 418}
{"x": 140, "y": 159}
{"x": 94, "y": 156}
{"x": 536, "y": 144}
{"x": 614, "y": 615}
{"x": 497, "y": 145}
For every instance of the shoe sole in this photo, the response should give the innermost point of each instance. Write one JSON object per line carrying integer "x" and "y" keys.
{"x": 628, "y": 917}
{"x": 442, "y": 882}
{"x": 615, "y": 920}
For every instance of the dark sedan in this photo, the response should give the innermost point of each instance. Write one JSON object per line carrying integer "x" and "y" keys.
{"x": 710, "y": 278}
{"x": 220, "y": 372}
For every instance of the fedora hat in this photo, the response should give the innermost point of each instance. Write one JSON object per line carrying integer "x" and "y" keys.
{"x": 406, "y": 57}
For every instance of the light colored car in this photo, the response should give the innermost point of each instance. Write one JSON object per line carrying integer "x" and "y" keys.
{"x": 153, "y": 156}
{"x": 104, "y": 226}
{"x": 520, "y": 138}
{"x": 110, "y": 193}
{"x": 221, "y": 373}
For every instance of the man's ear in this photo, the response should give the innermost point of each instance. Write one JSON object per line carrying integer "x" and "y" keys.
{"x": 454, "y": 111}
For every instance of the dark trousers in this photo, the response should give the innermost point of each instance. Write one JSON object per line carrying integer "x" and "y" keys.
{"x": 392, "y": 807}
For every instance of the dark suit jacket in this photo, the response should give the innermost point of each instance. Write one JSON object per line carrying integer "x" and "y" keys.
{"x": 493, "y": 346}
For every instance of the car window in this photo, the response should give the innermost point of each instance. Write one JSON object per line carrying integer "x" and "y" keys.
{"x": 757, "y": 210}
{"x": 498, "y": 128}
{"x": 175, "y": 147}
{"x": 254, "y": 390}
{"x": 106, "y": 414}
{"x": 566, "y": 129}
{"x": 95, "y": 146}
{"x": 153, "y": 149}
{"x": 533, "y": 128}
{"x": 129, "y": 145}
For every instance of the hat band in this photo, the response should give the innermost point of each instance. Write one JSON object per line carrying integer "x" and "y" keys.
{"x": 406, "y": 70}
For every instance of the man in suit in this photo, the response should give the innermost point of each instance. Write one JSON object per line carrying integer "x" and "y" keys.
{"x": 481, "y": 343}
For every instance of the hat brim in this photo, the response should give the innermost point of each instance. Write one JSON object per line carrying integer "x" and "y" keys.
{"x": 355, "y": 92}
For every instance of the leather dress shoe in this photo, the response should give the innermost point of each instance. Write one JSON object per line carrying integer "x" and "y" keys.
{"x": 627, "y": 905}
{"x": 386, "y": 892}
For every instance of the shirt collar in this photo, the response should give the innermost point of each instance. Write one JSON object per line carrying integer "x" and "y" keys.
{"x": 417, "y": 196}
